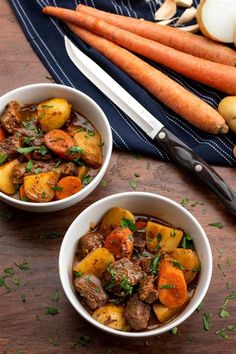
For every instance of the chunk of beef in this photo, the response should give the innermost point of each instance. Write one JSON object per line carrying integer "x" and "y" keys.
{"x": 137, "y": 313}
{"x": 91, "y": 290}
{"x": 146, "y": 263}
{"x": 139, "y": 240}
{"x": 147, "y": 292}
{"x": 31, "y": 137}
{"x": 88, "y": 243}
{"x": 36, "y": 155}
{"x": 121, "y": 276}
{"x": 11, "y": 117}
{"x": 10, "y": 145}
{"x": 67, "y": 169}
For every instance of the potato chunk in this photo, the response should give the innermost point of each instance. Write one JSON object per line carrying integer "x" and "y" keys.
{"x": 39, "y": 187}
{"x": 160, "y": 236}
{"x": 189, "y": 260}
{"x": 90, "y": 142}
{"x": 53, "y": 113}
{"x": 111, "y": 316}
{"x": 6, "y": 170}
{"x": 112, "y": 219}
{"x": 96, "y": 262}
{"x": 165, "y": 314}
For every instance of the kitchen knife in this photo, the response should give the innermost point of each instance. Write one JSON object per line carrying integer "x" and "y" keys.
{"x": 174, "y": 147}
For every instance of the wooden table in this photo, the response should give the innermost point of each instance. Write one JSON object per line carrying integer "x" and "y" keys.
{"x": 24, "y": 326}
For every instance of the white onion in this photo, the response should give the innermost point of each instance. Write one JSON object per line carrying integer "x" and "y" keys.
{"x": 217, "y": 19}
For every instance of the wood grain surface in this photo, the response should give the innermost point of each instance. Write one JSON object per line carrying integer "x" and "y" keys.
{"x": 35, "y": 240}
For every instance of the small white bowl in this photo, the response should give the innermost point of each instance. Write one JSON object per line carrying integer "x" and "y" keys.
{"x": 82, "y": 103}
{"x": 138, "y": 203}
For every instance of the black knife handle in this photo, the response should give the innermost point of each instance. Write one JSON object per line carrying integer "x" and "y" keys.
{"x": 187, "y": 158}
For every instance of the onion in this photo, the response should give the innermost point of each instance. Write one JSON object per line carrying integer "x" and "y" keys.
{"x": 217, "y": 19}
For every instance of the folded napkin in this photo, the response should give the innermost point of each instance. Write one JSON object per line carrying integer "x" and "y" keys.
{"x": 46, "y": 34}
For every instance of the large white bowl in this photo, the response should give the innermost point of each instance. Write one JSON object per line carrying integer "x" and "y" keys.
{"x": 82, "y": 103}
{"x": 138, "y": 203}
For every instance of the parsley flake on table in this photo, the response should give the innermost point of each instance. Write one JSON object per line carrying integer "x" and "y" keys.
{"x": 23, "y": 266}
{"x": 84, "y": 341}
{"x": 9, "y": 271}
{"x": 174, "y": 331}
{"x": 55, "y": 296}
{"x": 184, "y": 201}
{"x": 219, "y": 225}
{"x": 207, "y": 321}
{"x": 133, "y": 183}
{"x": 222, "y": 333}
{"x": 51, "y": 310}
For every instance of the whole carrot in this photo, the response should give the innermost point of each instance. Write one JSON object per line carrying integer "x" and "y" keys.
{"x": 173, "y": 95}
{"x": 190, "y": 43}
{"x": 219, "y": 76}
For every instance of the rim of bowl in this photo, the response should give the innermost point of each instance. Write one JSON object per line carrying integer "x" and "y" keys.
{"x": 108, "y": 143}
{"x": 165, "y": 328}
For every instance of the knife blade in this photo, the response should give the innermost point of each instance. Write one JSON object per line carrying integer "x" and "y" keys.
{"x": 179, "y": 152}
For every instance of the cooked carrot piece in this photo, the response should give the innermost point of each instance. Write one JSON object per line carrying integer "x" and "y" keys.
{"x": 190, "y": 43}
{"x": 68, "y": 186}
{"x": 22, "y": 193}
{"x": 2, "y": 134}
{"x": 62, "y": 144}
{"x": 120, "y": 243}
{"x": 171, "y": 285}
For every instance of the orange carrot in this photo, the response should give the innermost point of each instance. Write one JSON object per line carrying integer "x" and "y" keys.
{"x": 219, "y": 76}
{"x": 190, "y": 43}
{"x": 173, "y": 95}
{"x": 171, "y": 285}
{"x": 68, "y": 186}
{"x": 2, "y": 134}
{"x": 22, "y": 193}
{"x": 120, "y": 243}
{"x": 62, "y": 144}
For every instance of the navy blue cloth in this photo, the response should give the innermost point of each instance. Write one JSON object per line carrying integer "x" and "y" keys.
{"x": 46, "y": 34}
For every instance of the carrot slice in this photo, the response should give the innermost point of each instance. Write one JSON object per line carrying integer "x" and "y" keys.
{"x": 198, "y": 46}
{"x": 62, "y": 144}
{"x": 2, "y": 134}
{"x": 68, "y": 186}
{"x": 171, "y": 285}
{"x": 120, "y": 243}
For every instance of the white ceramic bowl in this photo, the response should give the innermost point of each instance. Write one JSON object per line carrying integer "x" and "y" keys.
{"x": 82, "y": 103}
{"x": 140, "y": 203}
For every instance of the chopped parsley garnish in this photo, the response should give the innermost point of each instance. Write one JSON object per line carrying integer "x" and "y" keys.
{"x": 104, "y": 183}
{"x": 174, "y": 331}
{"x": 187, "y": 242}
{"x": 128, "y": 223}
{"x": 173, "y": 233}
{"x": 133, "y": 183}
{"x": 126, "y": 286}
{"x": 87, "y": 179}
{"x": 23, "y": 266}
{"x": 221, "y": 269}
{"x": 51, "y": 311}
{"x": 28, "y": 139}
{"x": 90, "y": 133}
{"x": 84, "y": 341}
{"x": 102, "y": 144}
{"x": 3, "y": 158}
{"x": 196, "y": 269}
{"x": 78, "y": 274}
{"x": 74, "y": 150}
{"x": 16, "y": 281}
{"x": 47, "y": 106}
{"x": 219, "y": 225}
{"x": 97, "y": 290}
{"x": 79, "y": 162}
{"x": 43, "y": 195}
{"x": 29, "y": 166}
{"x": 207, "y": 321}
{"x": 222, "y": 333}
{"x": 58, "y": 163}
{"x": 155, "y": 262}
{"x": 57, "y": 188}
{"x": 231, "y": 327}
{"x": 184, "y": 201}
{"x": 224, "y": 314}
{"x": 167, "y": 286}
{"x": 38, "y": 170}
{"x": 177, "y": 264}
{"x": 9, "y": 271}
{"x": 159, "y": 237}
{"x": 41, "y": 149}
